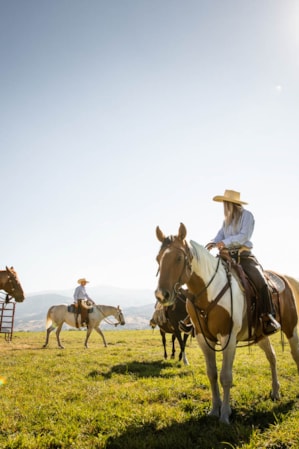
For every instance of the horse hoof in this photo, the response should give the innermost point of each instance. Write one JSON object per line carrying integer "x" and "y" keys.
{"x": 224, "y": 421}
{"x": 215, "y": 412}
{"x": 274, "y": 397}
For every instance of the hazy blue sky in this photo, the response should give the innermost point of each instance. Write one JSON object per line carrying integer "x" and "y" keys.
{"x": 121, "y": 115}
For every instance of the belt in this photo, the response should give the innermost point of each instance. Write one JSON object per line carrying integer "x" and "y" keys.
{"x": 237, "y": 251}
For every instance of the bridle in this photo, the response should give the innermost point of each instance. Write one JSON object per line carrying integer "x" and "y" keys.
{"x": 119, "y": 318}
{"x": 200, "y": 313}
{"x": 188, "y": 256}
{"x": 187, "y": 267}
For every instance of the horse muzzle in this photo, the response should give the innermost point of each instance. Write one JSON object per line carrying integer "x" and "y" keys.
{"x": 165, "y": 297}
{"x": 19, "y": 298}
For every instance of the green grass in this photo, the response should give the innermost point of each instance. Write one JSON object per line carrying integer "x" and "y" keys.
{"x": 126, "y": 396}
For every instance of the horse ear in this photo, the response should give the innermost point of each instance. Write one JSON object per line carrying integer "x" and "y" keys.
{"x": 182, "y": 232}
{"x": 159, "y": 234}
{"x": 11, "y": 270}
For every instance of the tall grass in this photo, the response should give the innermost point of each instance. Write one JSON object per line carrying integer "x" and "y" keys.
{"x": 126, "y": 396}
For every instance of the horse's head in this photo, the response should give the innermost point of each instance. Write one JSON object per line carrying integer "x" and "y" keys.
{"x": 13, "y": 286}
{"x": 119, "y": 316}
{"x": 152, "y": 323}
{"x": 174, "y": 261}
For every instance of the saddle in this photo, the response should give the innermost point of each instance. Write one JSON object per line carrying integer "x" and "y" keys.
{"x": 275, "y": 284}
{"x": 77, "y": 311}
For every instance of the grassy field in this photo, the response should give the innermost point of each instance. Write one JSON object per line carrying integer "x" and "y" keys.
{"x": 126, "y": 396}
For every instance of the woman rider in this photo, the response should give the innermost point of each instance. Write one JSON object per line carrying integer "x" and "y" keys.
{"x": 235, "y": 236}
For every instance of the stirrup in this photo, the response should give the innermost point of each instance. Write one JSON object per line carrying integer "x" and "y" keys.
{"x": 186, "y": 328}
{"x": 269, "y": 324}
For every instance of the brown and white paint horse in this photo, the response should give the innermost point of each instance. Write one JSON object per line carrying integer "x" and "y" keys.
{"x": 9, "y": 282}
{"x": 220, "y": 318}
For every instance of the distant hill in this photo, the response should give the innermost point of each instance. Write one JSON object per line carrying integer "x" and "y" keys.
{"x": 137, "y": 306}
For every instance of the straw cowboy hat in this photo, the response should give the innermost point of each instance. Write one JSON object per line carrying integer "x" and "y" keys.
{"x": 231, "y": 196}
{"x": 82, "y": 280}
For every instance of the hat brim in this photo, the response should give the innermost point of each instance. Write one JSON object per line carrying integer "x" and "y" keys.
{"x": 220, "y": 199}
{"x": 82, "y": 280}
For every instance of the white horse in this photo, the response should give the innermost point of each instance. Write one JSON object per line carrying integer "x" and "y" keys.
{"x": 57, "y": 315}
{"x": 218, "y": 311}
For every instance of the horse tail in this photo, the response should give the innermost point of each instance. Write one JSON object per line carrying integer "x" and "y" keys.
{"x": 49, "y": 319}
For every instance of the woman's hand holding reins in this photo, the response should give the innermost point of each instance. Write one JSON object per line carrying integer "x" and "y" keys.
{"x": 219, "y": 246}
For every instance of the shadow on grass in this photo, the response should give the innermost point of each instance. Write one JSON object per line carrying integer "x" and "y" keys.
{"x": 199, "y": 433}
{"x": 263, "y": 419}
{"x": 140, "y": 369}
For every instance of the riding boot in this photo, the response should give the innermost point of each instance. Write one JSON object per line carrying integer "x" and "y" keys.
{"x": 83, "y": 317}
{"x": 186, "y": 326}
{"x": 76, "y": 315}
{"x": 269, "y": 323}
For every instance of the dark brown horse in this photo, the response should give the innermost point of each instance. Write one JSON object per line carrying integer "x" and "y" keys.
{"x": 168, "y": 322}
{"x": 10, "y": 283}
{"x": 218, "y": 311}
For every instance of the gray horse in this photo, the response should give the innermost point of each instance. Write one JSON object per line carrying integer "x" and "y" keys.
{"x": 57, "y": 315}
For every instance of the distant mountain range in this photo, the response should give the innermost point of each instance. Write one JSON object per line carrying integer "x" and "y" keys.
{"x": 137, "y": 306}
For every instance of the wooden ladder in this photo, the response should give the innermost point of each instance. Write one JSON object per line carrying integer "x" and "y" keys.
{"x": 7, "y": 316}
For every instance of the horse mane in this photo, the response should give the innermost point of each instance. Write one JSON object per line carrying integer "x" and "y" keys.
{"x": 197, "y": 249}
{"x": 12, "y": 272}
{"x": 201, "y": 254}
{"x": 167, "y": 241}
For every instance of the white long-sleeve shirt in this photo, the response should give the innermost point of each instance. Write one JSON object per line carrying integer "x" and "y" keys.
{"x": 240, "y": 236}
{"x": 80, "y": 293}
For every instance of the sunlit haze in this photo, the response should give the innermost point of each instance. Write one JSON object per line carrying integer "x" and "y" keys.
{"x": 118, "y": 116}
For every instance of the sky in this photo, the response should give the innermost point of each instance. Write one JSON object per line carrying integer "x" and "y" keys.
{"x": 121, "y": 115}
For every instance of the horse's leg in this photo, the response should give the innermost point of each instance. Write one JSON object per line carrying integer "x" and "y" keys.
{"x": 294, "y": 345}
{"x": 186, "y": 336}
{"x": 185, "y": 360}
{"x": 49, "y": 330}
{"x": 173, "y": 346}
{"x": 182, "y": 346}
{"x": 211, "y": 370}
{"x": 226, "y": 376}
{"x": 89, "y": 331}
{"x": 266, "y": 346}
{"x": 58, "y": 330}
{"x": 101, "y": 334}
{"x": 164, "y": 343}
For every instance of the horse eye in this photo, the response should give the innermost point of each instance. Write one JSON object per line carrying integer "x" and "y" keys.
{"x": 179, "y": 259}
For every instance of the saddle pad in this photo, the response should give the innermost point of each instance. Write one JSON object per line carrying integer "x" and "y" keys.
{"x": 275, "y": 281}
{"x": 72, "y": 309}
